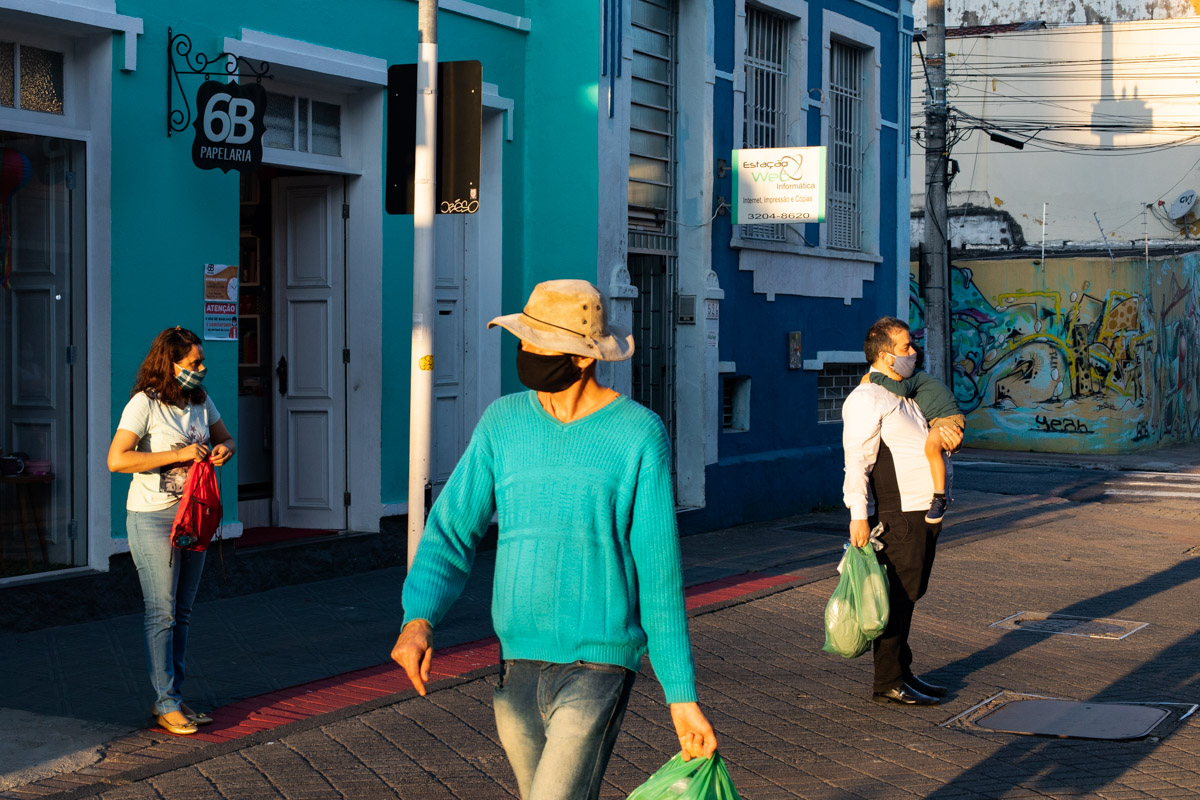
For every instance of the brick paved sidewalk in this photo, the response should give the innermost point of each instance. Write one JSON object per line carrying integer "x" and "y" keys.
{"x": 796, "y": 722}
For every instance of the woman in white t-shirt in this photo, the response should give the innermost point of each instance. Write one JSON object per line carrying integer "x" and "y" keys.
{"x": 168, "y": 423}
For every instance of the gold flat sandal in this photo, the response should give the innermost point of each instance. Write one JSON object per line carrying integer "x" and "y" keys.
{"x": 198, "y": 717}
{"x": 179, "y": 730}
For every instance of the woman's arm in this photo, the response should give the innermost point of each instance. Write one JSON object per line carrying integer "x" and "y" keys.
{"x": 123, "y": 455}
{"x": 225, "y": 447}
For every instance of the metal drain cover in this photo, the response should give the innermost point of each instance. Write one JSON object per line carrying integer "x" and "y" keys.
{"x": 1071, "y": 719}
{"x": 1091, "y": 627}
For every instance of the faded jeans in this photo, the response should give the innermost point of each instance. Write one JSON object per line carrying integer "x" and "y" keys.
{"x": 169, "y": 583}
{"x": 558, "y": 724}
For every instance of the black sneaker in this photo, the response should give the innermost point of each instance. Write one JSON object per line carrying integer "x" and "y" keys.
{"x": 937, "y": 509}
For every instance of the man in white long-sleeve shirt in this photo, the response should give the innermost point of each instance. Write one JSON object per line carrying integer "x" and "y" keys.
{"x": 883, "y": 437}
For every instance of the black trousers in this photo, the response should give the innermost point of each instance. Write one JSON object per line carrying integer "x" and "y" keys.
{"x": 909, "y": 547}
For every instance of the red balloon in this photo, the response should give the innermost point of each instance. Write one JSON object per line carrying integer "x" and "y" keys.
{"x": 15, "y": 172}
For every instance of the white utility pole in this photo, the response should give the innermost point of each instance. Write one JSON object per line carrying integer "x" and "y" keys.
{"x": 936, "y": 271}
{"x": 424, "y": 206}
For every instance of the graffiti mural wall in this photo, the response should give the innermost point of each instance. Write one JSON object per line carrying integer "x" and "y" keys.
{"x": 1083, "y": 355}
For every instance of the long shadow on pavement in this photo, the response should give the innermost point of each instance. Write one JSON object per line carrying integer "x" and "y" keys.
{"x": 1080, "y": 767}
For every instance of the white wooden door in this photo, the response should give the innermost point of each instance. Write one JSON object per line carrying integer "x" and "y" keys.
{"x": 310, "y": 415}
{"x": 450, "y": 346}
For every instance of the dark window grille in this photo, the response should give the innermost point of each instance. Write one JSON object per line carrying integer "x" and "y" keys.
{"x": 835, "y": 382}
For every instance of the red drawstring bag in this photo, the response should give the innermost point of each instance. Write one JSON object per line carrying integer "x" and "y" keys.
{"x": 199, "y": 511}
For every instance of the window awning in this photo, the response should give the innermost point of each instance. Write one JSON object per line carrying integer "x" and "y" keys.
{"x": 79, "y": 17}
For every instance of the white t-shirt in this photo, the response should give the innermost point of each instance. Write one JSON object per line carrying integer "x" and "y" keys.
{"x": 160, "y": 427}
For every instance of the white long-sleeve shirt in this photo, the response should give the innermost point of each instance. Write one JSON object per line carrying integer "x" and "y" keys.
{"x": 871, "y": 414}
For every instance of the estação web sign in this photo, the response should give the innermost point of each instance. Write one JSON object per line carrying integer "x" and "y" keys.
{"x": 779, "y": 185}
{"x": 230, "y": 123}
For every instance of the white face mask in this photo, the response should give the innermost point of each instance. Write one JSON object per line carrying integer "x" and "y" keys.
{"x": 905, "y": 366}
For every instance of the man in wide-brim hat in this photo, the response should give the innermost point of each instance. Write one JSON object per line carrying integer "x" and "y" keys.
{"x": 587, "y": 560}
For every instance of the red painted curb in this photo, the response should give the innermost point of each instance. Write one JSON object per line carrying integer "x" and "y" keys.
{"x": 307, "y": 700}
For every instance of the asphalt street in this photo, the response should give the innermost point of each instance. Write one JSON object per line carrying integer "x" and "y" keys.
{"x": 1107, "y": 542}
{"x": 1180, "y": 490}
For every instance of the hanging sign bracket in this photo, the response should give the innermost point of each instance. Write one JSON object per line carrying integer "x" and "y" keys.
{"x": 182, "y": 61}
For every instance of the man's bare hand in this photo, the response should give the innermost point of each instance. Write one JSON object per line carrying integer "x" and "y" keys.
{"x": 696, "y": 736}
{"x": 860, "y": 532}
{"x": 414, "y": 652}
{"x": 951, "y": 438}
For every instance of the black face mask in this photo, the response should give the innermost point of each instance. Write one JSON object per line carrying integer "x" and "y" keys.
{"x": 546, "y": 373}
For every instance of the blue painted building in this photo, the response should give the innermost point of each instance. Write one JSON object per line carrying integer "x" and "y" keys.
{"x": 792, "y": 302}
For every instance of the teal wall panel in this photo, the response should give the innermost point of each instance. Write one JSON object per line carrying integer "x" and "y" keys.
{"x": 169, "y": 217}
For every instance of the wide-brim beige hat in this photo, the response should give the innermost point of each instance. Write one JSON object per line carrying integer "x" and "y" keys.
{"x": 569, "y": 316}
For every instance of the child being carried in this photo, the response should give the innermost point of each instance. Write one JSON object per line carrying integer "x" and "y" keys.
{"x": 937, "y": 403}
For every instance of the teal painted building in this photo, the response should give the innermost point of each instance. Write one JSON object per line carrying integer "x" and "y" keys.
{"x": 112, "y": 227}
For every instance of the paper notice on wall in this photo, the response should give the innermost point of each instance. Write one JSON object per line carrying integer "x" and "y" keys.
{"x": 220, "y": 322}
{"x": 220, "y": 302}
{"x": 221, "y": 282}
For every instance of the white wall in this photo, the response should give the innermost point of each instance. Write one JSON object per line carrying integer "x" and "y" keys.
{"x": 998, "y": 12}
{"x": 1004, "y": 79}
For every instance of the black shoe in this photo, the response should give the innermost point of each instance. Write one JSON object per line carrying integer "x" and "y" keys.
{"x": 931, "y": 689}
{"x": 905, "y": 695}
{"x": 937, "y": 509}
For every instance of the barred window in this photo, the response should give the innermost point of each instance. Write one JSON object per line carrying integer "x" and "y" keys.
{"x": 765, "y": 118}
{"x": 834, "y": 383}
{"x": 735, "y": 403}
{"x": 846, "y": 79}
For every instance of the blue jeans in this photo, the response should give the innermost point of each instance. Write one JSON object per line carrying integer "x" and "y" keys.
{"x": 558, "y": 724}
{"x": 169, "y": 583}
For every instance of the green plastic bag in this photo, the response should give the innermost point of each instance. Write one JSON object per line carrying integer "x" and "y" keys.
{"x": 698, "y": 779}
{"x": 870, "y": 586}
{"x": 857, "y": 611}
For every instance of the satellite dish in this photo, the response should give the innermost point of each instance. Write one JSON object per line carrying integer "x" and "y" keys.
{"x": 1183, "y": 205}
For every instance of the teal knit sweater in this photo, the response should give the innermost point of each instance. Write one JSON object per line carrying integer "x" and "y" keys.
{"x": 587, "y": 560}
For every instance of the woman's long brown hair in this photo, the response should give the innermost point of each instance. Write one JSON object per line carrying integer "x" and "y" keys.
{"x": 156, "y": 375}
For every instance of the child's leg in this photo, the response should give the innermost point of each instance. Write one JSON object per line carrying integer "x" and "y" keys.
{"x": 937, "y": 464}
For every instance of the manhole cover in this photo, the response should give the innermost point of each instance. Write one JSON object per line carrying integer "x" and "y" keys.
{"x": 1091, "y": 627}
{"x": 1034, "y": 715}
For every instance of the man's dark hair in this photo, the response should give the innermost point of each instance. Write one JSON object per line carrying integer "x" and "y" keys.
{"x": 879, "y": 337}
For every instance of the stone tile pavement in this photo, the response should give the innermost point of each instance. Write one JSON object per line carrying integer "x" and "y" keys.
{"x": 794, "y": 722}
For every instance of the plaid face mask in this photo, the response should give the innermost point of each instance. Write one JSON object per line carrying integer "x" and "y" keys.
{"x": 190, "y": 379}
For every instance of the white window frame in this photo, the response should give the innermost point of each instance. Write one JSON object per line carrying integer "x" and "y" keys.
{"x": 798, "y": 102}
{"x": 856, "y": 34}
{"x": 350, "y": 160}
{"x": 44, "y": 123}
